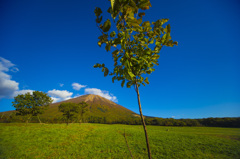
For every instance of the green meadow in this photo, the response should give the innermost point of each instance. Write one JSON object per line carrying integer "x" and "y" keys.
{"x": 19, "y": 140}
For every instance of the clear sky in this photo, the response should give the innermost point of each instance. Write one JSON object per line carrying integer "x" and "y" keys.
{"x": 51, "y": 46}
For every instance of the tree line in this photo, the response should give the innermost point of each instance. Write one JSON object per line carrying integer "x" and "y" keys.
{"x": 209, "y": 122}
{"x": 29, "y": 107}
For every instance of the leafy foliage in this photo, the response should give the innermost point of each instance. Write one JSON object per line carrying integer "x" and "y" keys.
{"x": 69, "y": 110}
{"x": 136, "y": 45}
{"x": 82, "y": 108}
{"x": 31, "y": 104}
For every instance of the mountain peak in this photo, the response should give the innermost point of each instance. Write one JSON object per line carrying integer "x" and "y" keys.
{"x": 97, "y": 98}
{"x": 91, "y": 97}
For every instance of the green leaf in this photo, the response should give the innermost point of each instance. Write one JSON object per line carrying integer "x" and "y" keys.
{"x": 115, "y": 52}
{"x": 117, "y": 41}
{"x": 146, "y": 24}
{"x": 100, "y": 43}
{"x": 112, "y": 3}
{"x": 106, "y": 72}
{"x": 112, "y": 34}
{"x": 134, "y": 59}
{"x": 113, "y": 79}
{"x": 168, "y": 28}
{"x": 163, "y": 39}
{"x": 108, "y": 47}
{"x": 129, "y": 13}
{"x": 145, "y": 40}
{"x": 148, "y": 72}
{"x": 133, "y": 22}
{"x": 106, "y": 26}
{"x": 168, "y": 37}
{"x": 133, "y": 4}
{"x": 110, "y": 10}
{"x": 157, "y": 43}
{"x": 131, "y": 74}
{"x": 99, "y": 19}
{"x": 141, "y": 14}
{"x": 155, "y": 56}
{"x": 144, "y": 4}
{"x": 97, "y": 65}
{"x": 123, "y": 82}
{"x": 97, "y": 11}
{"x": 152, "y": 41}
{"x": 164, "y": 21}
{"x": 146, "y": 80}
{"x": 139, "y": 21}
{"x": 129, "y": 84}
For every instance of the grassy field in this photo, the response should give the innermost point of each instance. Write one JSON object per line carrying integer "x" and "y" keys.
{"x": 107, "y": 141}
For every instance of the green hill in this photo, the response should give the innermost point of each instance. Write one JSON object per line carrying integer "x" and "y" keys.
{"x": 99, "y": 108}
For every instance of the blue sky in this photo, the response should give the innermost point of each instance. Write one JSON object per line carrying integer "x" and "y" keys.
{"x": 51, "y": 46}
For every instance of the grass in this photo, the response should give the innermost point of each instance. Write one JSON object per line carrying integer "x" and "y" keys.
{"x": 107, "y": 141}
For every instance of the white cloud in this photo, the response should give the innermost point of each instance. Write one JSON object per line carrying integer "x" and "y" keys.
{"x": 55, "y": 100}
{"x": 60, "y": 95}
{"x": 61, "y": 85}
{"x": 7, "y": 85}
{"x": 77, "y": 86}
{"x": 102, "y": 93}
{"x": 22, "y": 92}
{"x": 5, "y": 64}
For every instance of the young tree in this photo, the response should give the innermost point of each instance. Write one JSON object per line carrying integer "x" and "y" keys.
{"x": 69, "y": 110}
{"x": 82, "y": 108}
{"x": 31, "y": 104}
{"x": 136, "y": 44}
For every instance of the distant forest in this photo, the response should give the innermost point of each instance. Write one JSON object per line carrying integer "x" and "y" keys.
{"x": 210, "y": 122}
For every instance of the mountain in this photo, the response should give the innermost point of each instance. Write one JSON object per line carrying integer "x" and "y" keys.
{"x": 98, "y": 107}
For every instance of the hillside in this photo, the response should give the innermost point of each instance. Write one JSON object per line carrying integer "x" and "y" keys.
{"x": 99, "y": 110}
{"x": 97, "y": 107}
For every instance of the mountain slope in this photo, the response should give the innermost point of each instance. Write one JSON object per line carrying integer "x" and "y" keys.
{"x": 97, "y": 107}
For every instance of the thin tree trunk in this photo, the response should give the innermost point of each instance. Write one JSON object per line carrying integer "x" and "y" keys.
{"x": 39, "y": 120}
{"x": 80, "y": 120}
{"x": 143, "y": 122}
{"x": 28, "y": 119}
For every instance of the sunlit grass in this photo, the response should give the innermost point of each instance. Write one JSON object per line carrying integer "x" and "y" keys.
{"x": 107, "y": 141}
